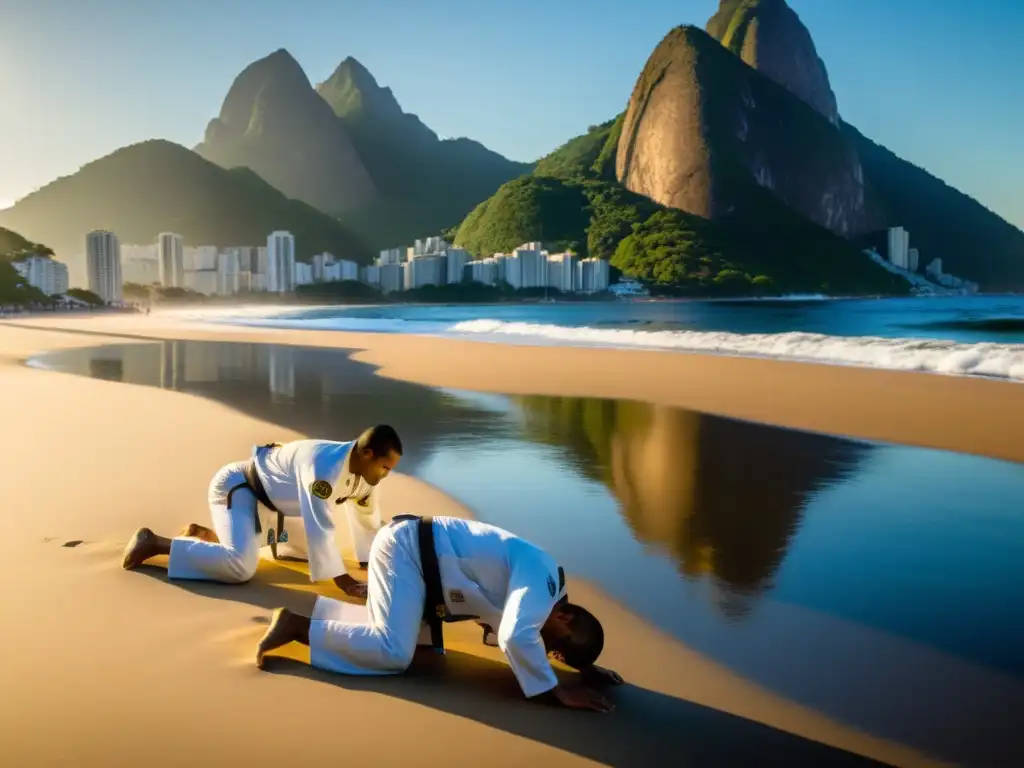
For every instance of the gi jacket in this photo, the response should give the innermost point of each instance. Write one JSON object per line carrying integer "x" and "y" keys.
{"x": 310, "y": 479}
{"x": 504, "y": 581}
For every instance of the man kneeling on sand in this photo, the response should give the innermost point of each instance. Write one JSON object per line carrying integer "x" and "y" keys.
{"x": 306, "y": 479}
{"x": 447, "y": 569}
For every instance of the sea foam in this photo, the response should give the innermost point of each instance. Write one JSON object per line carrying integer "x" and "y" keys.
{"x": 1001, "y": 361}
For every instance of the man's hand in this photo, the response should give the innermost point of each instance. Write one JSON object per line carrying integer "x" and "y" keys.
{"x": 599, "y": 676}
{"x": 350, "y": 586}
{"x": 581, "y": 697}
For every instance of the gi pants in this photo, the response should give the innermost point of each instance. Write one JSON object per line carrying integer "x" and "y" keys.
{"x": 380, "y": 639}
{"x": 235, "y": 558}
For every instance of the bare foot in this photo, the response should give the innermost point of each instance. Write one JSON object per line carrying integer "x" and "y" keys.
{"x": 201, "y": 532}
{"x": 143, "y": 545}
{"x": 283, "y": 629}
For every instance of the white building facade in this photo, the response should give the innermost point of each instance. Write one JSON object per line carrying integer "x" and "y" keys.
{"x": 171, "y": 258}
{"x": 44, "y": 273}
{"x": 103, "y": 264}
{"x": 280, "y": 262}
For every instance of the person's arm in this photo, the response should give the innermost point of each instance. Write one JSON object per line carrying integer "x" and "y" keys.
{"x": 364, "y": 521}
{"x": 527, "y": 608}
{"x": 315, "y": 498}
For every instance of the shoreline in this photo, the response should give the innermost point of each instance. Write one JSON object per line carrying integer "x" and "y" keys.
{"x": 965, "y": 414}
{"x": 141, "y": 633}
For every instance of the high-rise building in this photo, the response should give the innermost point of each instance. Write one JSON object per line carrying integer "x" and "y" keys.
{"x": 171, "y": 256}
{"x": 457, "y": 258}
{"x": 46, "y": 274}
{"x": 321, "y": 262}
{"x": 484, "y": 271}
{"x": 913, "y": 259}
{"x": 562, "y": 272}
{"x": 103, "y": 262}
{"x": 280, "y": 262}
{"x": 392, "y": 256}
{"x": 227, "y": 272}
{"x": 139, "y": 264}
{"x": 425, "y": 270}
{"x": 532, "y": 266}
{"x": 391, "y": 277}
{"x": 592, "y": 275}
{"x": 303, "y": 273}
{"x": 899, "y": 244}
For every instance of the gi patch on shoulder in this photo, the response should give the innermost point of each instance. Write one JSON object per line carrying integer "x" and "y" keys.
{"x": 551, "y": 585}
{"x": 320, "y": 488}
{"x": 456, "y": 595}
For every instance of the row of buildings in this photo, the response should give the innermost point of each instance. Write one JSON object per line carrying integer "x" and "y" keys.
{"x": 273, "y": 268}
{"x": 435, "y": 262}
{"x": 897, "y": 248}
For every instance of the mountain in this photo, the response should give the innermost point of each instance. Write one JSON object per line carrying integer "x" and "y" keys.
{"x": 347, "y": 148}
{"x": 573, "y": 201}
{"x": 273, "y": 122}
{"x": 738, "y": 132}
{"x": 769, "y": 36}
{"x": 701, "y": 127}
{"x": 972, "y": 241}
{"x": 426, "y": 183}
{"x": 157, "y": 186}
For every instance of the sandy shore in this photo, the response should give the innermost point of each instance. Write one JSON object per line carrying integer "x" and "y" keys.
{"x": 956, "y": 413}
{"x": 103, "y": 667}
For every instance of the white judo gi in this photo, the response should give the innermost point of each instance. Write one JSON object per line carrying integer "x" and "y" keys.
{"x": 306, "y": 479}
{"x": 486, "y": 572}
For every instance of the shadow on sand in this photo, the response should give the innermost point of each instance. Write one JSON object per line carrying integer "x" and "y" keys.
{"x": 647, "y": 728}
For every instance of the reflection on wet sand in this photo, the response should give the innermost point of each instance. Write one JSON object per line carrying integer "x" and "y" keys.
{"x": 723, "y": 497}
{"x": 313, "y": 391}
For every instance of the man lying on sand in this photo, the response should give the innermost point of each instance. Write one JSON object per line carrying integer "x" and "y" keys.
{"x": 303, "y": 478}
{"x": 448, "y": 569}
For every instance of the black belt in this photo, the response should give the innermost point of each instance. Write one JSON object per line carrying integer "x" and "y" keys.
{"x": 254, "y": 484}
{"x": 435, "y": 610}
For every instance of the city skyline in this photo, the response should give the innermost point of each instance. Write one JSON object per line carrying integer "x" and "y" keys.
{"x": 921, "y": 78}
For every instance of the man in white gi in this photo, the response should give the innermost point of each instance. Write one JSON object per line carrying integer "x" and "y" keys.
{"x": 480, "y": 572}
{"x": 306, "y": 479}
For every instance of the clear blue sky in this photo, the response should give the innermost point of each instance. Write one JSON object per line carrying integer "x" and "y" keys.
{"x": 940, "y": 82}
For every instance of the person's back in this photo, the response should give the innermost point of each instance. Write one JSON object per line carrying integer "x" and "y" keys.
{"x": 280, "y": 467}
{"x": 481, "y": 563}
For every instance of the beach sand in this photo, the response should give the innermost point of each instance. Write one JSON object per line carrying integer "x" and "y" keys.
{"x": 105, "y": 667}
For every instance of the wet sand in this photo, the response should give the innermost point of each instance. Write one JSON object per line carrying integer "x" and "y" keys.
{"x": 102, "y": 666}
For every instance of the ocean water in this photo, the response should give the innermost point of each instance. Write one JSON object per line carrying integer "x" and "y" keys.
{"x": 977, "y": 336}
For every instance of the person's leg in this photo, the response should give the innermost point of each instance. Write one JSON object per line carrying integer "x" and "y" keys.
{"x": 384, "y": 641}
{"x": 233, "y": 560}
{"x": 197, "y": 531}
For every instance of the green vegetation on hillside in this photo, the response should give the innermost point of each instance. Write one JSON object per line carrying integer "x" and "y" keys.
{"x": 157, "y": 186}
{"x": 13, "y": 288}
{"x": 14, "y": 246}
{"x": 592, "y": 154}
{"x": 761, "y": 248}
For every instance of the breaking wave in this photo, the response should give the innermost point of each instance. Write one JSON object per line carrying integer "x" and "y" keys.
{"x": 1000, "y": 361}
